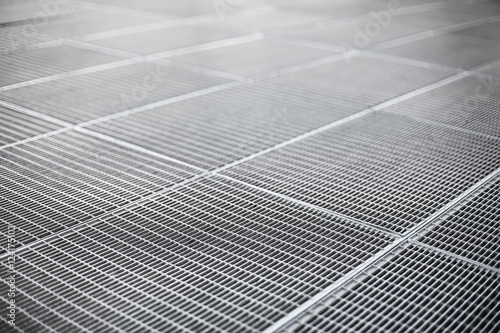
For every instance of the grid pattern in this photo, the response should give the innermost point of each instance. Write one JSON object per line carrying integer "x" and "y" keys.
{"x": 418, "y": 290}
{"x": 247, "y": 166}
{"x": 242, "y": 258}
{"x": 51, "y": 184}
{"x": 216, "y": 129}
{"x": 394, "y": 179}
{"x": 471, "y": 231}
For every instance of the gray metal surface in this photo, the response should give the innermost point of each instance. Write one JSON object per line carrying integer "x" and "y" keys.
{"x": 249, "y": 166}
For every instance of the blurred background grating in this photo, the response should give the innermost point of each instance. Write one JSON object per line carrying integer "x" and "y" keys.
{"x": 17, "y": 126}
{"x": 250, "y": 165}
{"x": 56, "y": 182}
{"x": 102, "y": 93}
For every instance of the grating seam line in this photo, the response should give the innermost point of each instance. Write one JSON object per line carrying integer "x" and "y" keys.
{"x": 389, "y": 272}
{"x": 135, "y": 60}
{"x": 329, "y": 212}
{"x": 454, "y": 255}
{"x": 96, "y": 219}
{"x": 122, "y": 113}
{"x": 307, "y": 134}
{"x": 24, "y": 312}
{"x": 438, "y": 123}
{"x": 294, "y": 315}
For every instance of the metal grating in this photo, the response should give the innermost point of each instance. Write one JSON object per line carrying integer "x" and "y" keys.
{"x": 487, "y": 31}
{"x": 217, "y": 256}
{"x": 233, "y": 166}
{"x": 17, "y": 126}
{"x": 471, "y": 231}
{"x": 51, "y": 184}
{"x": 362, "y": 81}
{"x": 241, "y": 59}
{"x": 213, "y": 130}
{"x": 391, "y": 178}
{"x": 452, "y": 50}
{"x": 349, "y": 34}
{"x": 170, "y": 38}
{"x": 106, "y": 92}
{"x": 16, "y": 38}
{"x": 99, "y": 22}
{"x": 470, "y": 103}
{"x": 34, "y": 64}
{"x": 416, "y": 291}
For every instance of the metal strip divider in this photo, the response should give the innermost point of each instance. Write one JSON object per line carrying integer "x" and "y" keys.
{"x": 210, "y": 45}
{"x": 80, "y": 127}
{"x": 343, "y": 282}
{"x": 381, "y": 256}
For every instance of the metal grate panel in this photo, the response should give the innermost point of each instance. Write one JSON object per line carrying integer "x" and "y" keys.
{"x": 241, "y": 59}
{"x": 452, "y": 50}
{"x": 34, "y": 64}
{"x": 18, "y": 126}
{"x": 219, "y": 128}
{"x": 92, "y": 24}
{"x": 470, "y": 103}
{"x": 392, "y": 178}
{"x": 106, "y": 92}
{"x": 149, "y": 42}
{"x": 435, "y": 19}
{"x": 471, "y": 231}
{"x": 24, "y": 11}
{"x": 17, "y": 38}
{"x": 485, "y": 9}
{"x": 53, "y": 183}
{"x": 349, "y": 34}
{"x": 417, "y": 290}
{"x": 486, "y": 31}
{"x": 360, "y": 82}
{"x": 209, "y": 256}
{"x": 270, "y": 22}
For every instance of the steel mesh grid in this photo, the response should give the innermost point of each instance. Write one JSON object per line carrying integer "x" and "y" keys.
{"x": 13, "y": 39}
{"x": 210, "y": 255}
{"x": 472, "y": 230}
{"x": 485, "y": 31}
{"x": 91, "y": 321}
{"x": 149, "y": 42}
{"x": 394, "y": 179}
{"x": 21, "y": 12}
{"x": 53, "y": 183}
{"x": 240, "y": 59}
{"x": 93, "y": 95}
{"x": 348, "y": 34}
{"x": 18, "y": 126}
{"x": 471, "y": 103}
{"x": 417, "y": 290}
{"x": 215, "y": 129}
{"x": 34, "y": 64}
{"x": 451, "y": 50}
{"x": 360, "y": 82}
